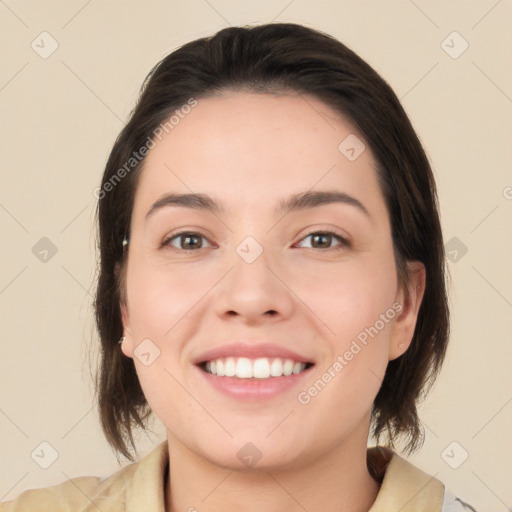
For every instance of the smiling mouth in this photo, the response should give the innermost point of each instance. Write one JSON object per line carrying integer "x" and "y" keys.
{"x": 260, "y": 368}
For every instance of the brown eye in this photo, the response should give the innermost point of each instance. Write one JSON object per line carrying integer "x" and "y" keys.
{"x": 324, "y": 240}
{"x": 186, "y": 241}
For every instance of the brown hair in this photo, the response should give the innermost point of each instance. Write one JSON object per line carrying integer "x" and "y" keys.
{"x": 266, "y": 58}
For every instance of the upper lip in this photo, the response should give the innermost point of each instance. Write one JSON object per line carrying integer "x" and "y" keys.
{"x": 251, "y": 351}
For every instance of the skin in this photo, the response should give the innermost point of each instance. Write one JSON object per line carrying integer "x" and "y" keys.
{"x": 248, "y": 151}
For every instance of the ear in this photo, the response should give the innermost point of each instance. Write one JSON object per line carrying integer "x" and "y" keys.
{"x": 410, "y": 299}
{"x": 127, "y": 345}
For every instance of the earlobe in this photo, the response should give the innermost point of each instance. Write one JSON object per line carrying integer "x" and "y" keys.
{"x": 126, "y": 343}
{"x": 410, "y": 299}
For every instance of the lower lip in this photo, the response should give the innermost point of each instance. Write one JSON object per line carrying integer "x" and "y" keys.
{"x": 255, "y": 389}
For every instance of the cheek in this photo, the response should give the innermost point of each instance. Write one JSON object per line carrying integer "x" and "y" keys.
{"x": 160, "y": 297}
{"x": 166, "y": 305}
{"x": 348, "y": 297}
{"x": 162, "y": 302}
{"x": 355, "y": 303}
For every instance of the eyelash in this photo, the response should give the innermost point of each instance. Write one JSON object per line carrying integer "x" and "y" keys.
{"x": 343, "y": 242}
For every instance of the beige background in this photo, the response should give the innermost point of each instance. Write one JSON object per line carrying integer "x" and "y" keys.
{"x": 59, "y": 118}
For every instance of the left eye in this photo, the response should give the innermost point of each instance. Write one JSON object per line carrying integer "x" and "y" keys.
{"x": 323, "y": 240}
{"x": 186, "y": 241}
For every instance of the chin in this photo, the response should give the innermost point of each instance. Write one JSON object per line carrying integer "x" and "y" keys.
{"x": 250, "y": 453}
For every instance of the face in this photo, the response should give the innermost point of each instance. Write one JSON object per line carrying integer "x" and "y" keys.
{"x": 262, "y": 314}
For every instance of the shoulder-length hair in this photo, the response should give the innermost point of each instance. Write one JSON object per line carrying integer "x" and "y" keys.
{"x": 272, "y": 58}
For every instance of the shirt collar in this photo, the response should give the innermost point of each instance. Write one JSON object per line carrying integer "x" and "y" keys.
{"x": 404, "y": 487}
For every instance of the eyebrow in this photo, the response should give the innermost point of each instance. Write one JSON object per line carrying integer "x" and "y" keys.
{"x": 313, "y": 199}
{"x": 296, "y": 202}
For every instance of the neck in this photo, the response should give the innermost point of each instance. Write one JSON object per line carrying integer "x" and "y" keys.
{"x": 338, "y": 481}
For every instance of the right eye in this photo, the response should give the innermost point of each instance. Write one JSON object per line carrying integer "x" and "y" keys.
{"x": 185, "y": 241}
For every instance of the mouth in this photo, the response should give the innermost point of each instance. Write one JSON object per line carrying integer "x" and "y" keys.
{"x": 261, "y": 368}
{"x": 253, "y": 371}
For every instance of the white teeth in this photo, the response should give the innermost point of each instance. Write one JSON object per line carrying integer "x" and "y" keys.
{"x": 288, "y": 367}
{"x": 244, "y": 368}
{"x": 276, "y": 368}
{"x": 229, "y": 367}
{"x": 261, "y": 368}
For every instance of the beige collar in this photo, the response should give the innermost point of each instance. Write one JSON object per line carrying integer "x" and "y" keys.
{"x": 404, "y": 487}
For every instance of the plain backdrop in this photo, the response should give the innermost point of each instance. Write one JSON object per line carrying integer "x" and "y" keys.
{"x": 70, "y": 74}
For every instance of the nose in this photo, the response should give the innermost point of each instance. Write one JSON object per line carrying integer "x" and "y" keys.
{"x": 255, "y": 292}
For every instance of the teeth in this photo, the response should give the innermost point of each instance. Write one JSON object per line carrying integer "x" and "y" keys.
{"x": 297, "y": 368}
{"x": 288, "y": 367}
{"x": 261, "y": 368}
{"x": 276, "y": 368}
{"x": 244, "y": 368}
{"x": 229, "y": 367}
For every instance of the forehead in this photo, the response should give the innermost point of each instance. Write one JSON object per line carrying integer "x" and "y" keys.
{"x": 249, "y": 148}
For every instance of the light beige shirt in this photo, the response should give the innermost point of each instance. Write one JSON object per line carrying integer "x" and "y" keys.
{"x": 139, "y": 487}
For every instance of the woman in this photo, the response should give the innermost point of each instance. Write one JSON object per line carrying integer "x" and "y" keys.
{"x": 272, "y": 286}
